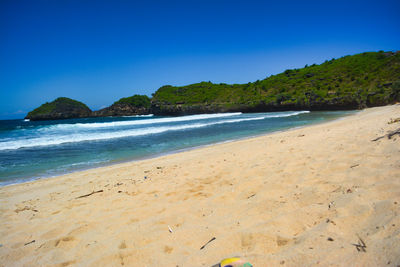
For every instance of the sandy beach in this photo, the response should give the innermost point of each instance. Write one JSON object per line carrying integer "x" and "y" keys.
{"x": 322, "y": 195}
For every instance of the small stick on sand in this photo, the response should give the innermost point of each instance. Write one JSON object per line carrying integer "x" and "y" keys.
{"x": 361, "y": 246}
{"x": 251, "y": 196}
{"x": 33, "y": 241}
{"x": 94, "y": 192}
{"x": 212, "y": 239}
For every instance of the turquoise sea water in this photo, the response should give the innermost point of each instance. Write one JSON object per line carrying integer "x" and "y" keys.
{"x": 30, "y": 150}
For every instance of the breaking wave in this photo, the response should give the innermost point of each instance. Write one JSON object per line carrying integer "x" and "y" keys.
{"x": 94, "y": 136}
{"x": 85, "y": 132}
{"x": 145, "y": 122}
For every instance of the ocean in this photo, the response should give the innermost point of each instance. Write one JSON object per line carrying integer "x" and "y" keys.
{"x": 36, "y": 149}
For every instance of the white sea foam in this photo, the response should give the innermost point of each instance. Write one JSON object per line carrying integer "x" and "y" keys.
{"x": 103, "y": 131}
{"x": 139, "y": 116}
{"x": 94, "y": 136}
{"x": 115, "y": 124}
{"x": 289, "y": 114}
{"x": 144, "y": 122}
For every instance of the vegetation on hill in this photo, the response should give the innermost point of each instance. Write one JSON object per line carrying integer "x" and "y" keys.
{"x": 351, "y": 82}
{"x": 127, "y": 106}
{"x": 367, "y": 79}
{"x": 139, "y": 101}
{"x": 61, "y": 108}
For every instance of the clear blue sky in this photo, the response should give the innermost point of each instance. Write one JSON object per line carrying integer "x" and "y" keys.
{"x": 99, "y": 51}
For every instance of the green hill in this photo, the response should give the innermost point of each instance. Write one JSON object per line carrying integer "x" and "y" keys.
{"x": 351, "y": 82}
{"x": 138, "y": 101}
{"x": 127, "y": 106}
{"x": 61, "y": 108}
{"x": 362, "y": 80}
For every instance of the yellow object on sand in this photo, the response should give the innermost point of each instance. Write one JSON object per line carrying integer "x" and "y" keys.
{"x": 234, "y": 262}
{"x": 227, "y": 261}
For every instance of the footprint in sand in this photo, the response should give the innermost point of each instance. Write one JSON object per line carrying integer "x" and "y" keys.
{"x": 168, "y": 249}
{"x": 122, "y": 245}
{"x": 66, "y": 242}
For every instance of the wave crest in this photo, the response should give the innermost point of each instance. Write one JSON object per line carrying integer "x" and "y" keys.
{"x": 144, "y": 122}
{"x": 89, "y": 132}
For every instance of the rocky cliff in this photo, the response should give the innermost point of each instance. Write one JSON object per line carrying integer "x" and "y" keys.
{"x": 340, "y": 103}
{"x": 120, "y": 109}
{"x": 127, "y": 106}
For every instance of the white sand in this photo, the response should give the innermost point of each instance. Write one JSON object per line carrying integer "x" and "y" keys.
{"x": 275, "y": 200}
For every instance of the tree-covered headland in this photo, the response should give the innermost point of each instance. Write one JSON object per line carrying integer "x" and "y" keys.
{"x": 351, "y": 82}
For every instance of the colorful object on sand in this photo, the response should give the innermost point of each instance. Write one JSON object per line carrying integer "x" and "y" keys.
{"x": 234, "y": 262}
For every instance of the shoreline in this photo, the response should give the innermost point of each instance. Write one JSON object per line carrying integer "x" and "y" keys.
{"x": 107, "y": 164}
{"x": 300, "y": 196}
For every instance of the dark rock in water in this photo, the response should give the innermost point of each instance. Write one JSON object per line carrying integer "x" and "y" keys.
{"x": 61, "y": 108}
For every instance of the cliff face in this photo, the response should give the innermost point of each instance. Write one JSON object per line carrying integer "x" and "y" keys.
{"x": 184, "y": 109}
{"x": 61, "y": 108}
{"x": 120, "y": 109}
{"x": 127, "y": 106}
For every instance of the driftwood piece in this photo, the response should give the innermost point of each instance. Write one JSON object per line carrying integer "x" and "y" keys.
{"x": 209, "y": 241}
{"x": 94, "y": 192}
{"x": 393, "y": 133}
{"x": 394, "y": 120}
{"x": 389, "y": 135}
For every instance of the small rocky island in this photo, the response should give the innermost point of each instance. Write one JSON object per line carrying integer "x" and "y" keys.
{"x": 61, "y": 108}
{"x": 66, "y": 108}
